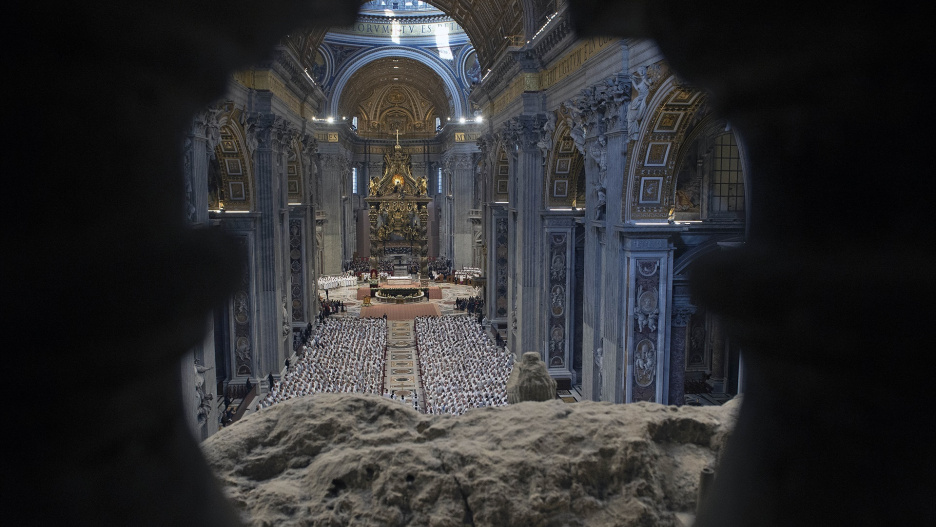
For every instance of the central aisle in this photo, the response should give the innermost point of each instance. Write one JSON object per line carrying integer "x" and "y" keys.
{"x": 402, "y": 377}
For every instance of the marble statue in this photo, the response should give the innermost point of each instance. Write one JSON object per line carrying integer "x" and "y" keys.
{"x": 530, "y": 381}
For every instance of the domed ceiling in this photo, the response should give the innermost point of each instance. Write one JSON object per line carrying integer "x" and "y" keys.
{"x": 488, "y": 23}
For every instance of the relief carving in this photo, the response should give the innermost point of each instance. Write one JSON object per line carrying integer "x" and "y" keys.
{"x": 644, "y": 362}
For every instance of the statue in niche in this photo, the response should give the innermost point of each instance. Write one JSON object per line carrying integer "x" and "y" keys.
{"x": 599, "y": 154}
{"x": 204, "y": 399}
{"x": 642, "y": 82}
{"x": 286, "y": 328}
{"x": 215, "y": 185}
{"x": 530, "y": 380}
{"x": 601, "y": 203}
{"x": 599, "y": 369}
{"x": 545, "y": 142}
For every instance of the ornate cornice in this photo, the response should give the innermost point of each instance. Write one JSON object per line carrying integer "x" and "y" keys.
{"x": 545, "y": 47}
{"x": 402, "y": 18}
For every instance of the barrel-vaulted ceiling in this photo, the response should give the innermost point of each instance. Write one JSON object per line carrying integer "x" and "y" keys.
{"x": 488, "y": 24}
{"x": 409, "y": 76}
{"x": 395, "y": 93}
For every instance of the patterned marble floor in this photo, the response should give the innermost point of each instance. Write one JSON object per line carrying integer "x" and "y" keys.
{"x": 402, "y": 376}
{"x": 446, "y": 304}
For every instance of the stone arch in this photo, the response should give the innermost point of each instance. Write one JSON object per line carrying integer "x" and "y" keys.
{"x": 235, "y": 166}
{"x": 296, "y": 179}
{"x": 671, "y": 110}
{"x": 321, "y": 72}
{"x": 565, "y": 171}
{"x": 500, "y": 189}
{"x": 465, "y": 72}
{"x": 455, "y": 95}
{"x": 694, "y": 171}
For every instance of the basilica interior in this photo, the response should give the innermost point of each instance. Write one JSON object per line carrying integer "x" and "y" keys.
{"x": 580, "y": 177}
{"x": 668, "y": 201}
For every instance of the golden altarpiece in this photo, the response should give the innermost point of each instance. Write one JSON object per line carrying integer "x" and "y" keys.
{"x": 399, "y": 215}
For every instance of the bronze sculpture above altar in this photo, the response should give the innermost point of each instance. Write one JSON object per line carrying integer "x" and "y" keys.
{"x": 398, "y": 212}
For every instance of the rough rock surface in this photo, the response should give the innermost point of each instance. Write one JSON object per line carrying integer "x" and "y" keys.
{"x": 530, "y": 380}
{"x": 341, "y": 459}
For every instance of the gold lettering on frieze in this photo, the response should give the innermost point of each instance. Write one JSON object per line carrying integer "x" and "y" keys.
{"x": 395, "y": 29}
{"x": 279, "y": 89}
{"x": 254, "y": 79}
{"x": 459, "y": 137}
{"x": 568, "y": 65}
{"x": 332, "y": 137}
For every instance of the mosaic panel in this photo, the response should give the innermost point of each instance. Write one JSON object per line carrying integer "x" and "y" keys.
{"x": 646, "y": 325}
{"x": 241, "y": 310}
{"x": 500, "y": 266}
{"x": 557, "y": 317}
{"x": 295, "y": 267}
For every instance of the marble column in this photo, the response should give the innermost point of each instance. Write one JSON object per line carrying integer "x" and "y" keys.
{"x": 487, "y": 148}
{"x": 599, "y": 128}
{"x": 199, "y": 387}
{"x": 198, "y": 149}
{"x": 523, "y": 134}
{"x": 679, "y": 339}
{"x": 593, "y": 378}
{"x": 446, "y": 210}
{"x": 461, "y": 176}
{"x": 263, "y": 130}
{"x": 716, "y": 344}
{"x": 284, "y": 147}
{"x": 335, "y": 171}
{"x": 310, "y": 174}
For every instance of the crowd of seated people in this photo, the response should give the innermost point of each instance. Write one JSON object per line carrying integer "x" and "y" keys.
{"x": 340, "y": 356}
{"x": 459, "y": 366}
{"x": 357, "y": 266}
{"x": 439, "y": 268}
{"x": 330, "y": 282}
{"x": 466, "y": 274}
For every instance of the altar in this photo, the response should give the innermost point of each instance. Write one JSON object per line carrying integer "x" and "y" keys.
{"x": 398, "y": 214}
{"x": 396, "y": 281}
